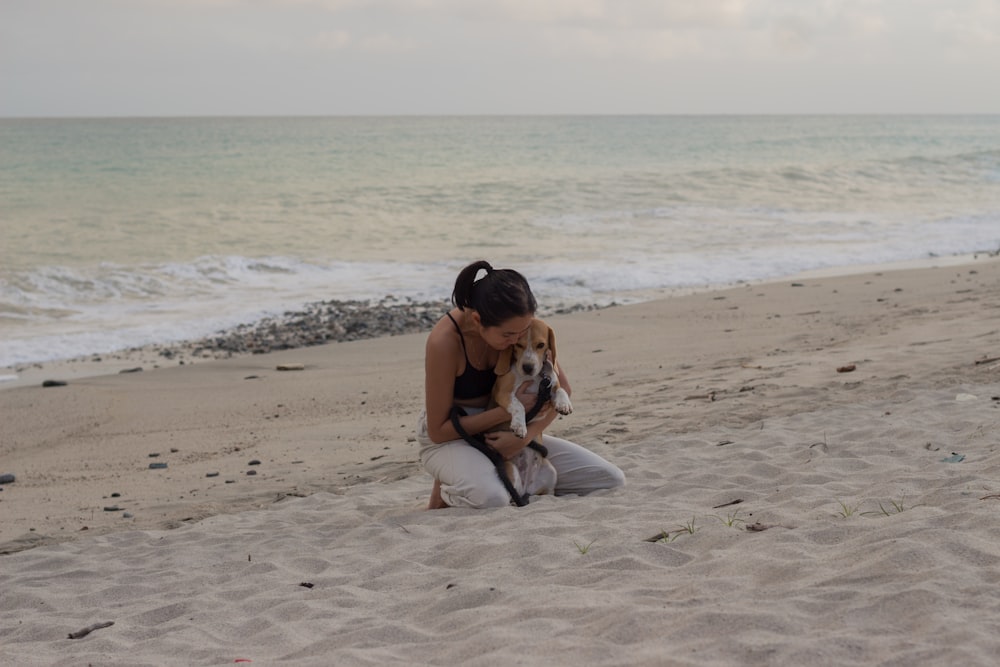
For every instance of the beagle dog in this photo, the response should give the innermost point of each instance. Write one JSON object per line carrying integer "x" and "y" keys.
{"x": 532, "y": 358}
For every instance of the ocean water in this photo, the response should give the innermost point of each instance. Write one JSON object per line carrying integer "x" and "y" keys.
{"x": 122, "y": 232}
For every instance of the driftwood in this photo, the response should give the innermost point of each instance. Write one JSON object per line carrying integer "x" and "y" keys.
{"x": 90, "y": 628}
{"x": 659, "y": 537}
{"x": 987, "y": 360}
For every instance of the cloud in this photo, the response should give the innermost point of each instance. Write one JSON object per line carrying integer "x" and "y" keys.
{"x": 969, "y": 31}
{"x": 650, "y": 46}
{"x": 332, "y": 40}
{"x": 151, "y": 56}
{"x": 386, "y": 43}
{"x": 866, "y": 25}
{"x": 645, "y": 30}
{"x": 609, "y": 13}
{"x": 654, "y": 30}
{"x": 792, "y": 35}
{"x": 569, "y": 13}
{"x": 206, "y": 4}
{"x": 377, "y": 43}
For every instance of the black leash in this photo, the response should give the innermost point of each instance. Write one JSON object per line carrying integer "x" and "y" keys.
{"x": 493, "y": 455}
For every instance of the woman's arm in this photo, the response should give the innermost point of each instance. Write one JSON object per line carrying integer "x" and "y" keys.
{"x": 440, "y": 369}
{"x": 563, "y": 380}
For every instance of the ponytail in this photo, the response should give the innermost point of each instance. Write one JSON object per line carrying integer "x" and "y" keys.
{"x": 497, "y": 296}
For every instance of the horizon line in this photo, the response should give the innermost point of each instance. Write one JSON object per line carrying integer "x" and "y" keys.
{"x": 815, "y": 114}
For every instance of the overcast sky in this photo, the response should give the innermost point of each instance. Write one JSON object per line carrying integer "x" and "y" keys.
{"x": 333, "y": 57}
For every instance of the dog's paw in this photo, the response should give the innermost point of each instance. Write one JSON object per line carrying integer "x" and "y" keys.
{"x": 519, "y": 428}
{"x": 561, "y": 403}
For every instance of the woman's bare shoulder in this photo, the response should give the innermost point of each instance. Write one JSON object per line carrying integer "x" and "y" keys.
{"x": 442, "y": 337}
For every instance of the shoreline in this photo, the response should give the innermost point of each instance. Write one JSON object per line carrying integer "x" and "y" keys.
{"x": 316, "y": 323}
{"x": 323, "y": 322}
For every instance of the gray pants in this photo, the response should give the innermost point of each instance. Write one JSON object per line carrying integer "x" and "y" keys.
{"x": 468, "y": 479}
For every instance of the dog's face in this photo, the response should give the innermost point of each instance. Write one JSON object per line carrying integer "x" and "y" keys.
{"x": 529, "y": 353}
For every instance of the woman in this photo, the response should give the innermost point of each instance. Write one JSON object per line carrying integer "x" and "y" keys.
{"x": 493, "y": 307}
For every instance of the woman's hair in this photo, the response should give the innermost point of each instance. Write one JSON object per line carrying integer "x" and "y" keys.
{"x": 497, "y": 296}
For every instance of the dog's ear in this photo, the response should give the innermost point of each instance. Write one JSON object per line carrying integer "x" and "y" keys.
{"x": 552, "y": 345}
{"x": 503, "y": 361}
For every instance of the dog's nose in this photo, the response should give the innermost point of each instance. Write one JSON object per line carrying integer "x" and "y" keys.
{"x": 529, "y": 369}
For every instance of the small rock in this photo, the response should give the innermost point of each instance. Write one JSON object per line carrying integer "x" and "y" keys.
{"x": 290, "y": 367}
{"x": 211, "y": 474}
{"x": 53, "y": 383}
{"x": 254, "y": 462}
{"x": 157, "y": 466}
{"x": 130, "y": 370}
{"x": 7, "y": 478}
{"x": 758, "y": 527}
{"x": 112, "y": 508}
{"x": 127, "y": 515}
{"x": 849, "y": 368}
{"x": 251, "y": 472}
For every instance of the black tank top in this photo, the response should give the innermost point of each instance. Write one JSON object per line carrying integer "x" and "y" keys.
{"x": 473, "y": 382}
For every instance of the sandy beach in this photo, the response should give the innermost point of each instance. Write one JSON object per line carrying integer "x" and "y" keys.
{"x": 813, "y": 479}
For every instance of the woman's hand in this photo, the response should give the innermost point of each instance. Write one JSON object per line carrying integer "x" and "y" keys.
{"x": 527, "y": 399}
{"x": 506, "y": 443}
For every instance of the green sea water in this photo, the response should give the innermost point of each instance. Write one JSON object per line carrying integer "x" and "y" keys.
{"x": 122, "y": 231}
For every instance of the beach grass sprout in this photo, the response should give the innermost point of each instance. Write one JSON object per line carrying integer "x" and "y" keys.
{"x": 732, "y": 520}
{"x": 583, "y": 548}
{"x": 846, "y": 510}
{"x": 895, "y": 507}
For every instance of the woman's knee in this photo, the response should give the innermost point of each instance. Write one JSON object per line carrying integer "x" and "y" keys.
{"x": 482, "y": 495}
{"x": 616, "y": 478}
{"x": 488, "y": 496}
